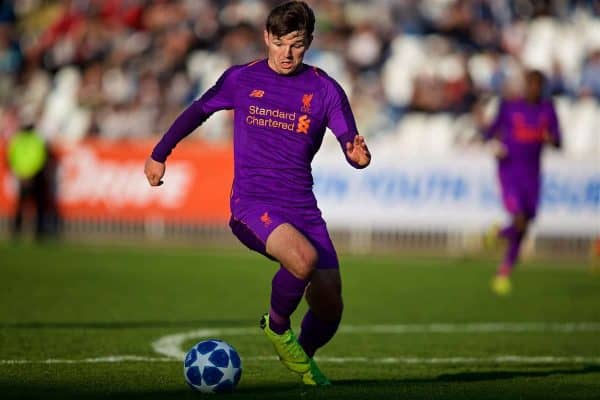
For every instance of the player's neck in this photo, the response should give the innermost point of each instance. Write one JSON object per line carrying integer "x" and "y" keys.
{"x": 533, "y": 100}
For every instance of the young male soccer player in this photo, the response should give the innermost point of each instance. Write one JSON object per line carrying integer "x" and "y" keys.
{"x": 281, "y": 109}
{"x": 521, "y": 127}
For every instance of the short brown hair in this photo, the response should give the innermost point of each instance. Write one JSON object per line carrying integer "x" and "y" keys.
{"x": 289, "y": 17}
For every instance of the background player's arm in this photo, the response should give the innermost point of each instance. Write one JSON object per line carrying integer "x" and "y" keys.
{"x": 491, "y": 132}
{"x": 552, "y": 135}
{"x": 219, "y": 97}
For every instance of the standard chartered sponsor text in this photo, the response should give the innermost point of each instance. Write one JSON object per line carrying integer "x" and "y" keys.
{"x": 270, "y": 118}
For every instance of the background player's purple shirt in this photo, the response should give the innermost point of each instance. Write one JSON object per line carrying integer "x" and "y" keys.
{"x": 279, "y": 122}
{"x": 521, "y": 126}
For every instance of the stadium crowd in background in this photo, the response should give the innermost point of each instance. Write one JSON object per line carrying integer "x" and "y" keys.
{"x": 126, "y": 68}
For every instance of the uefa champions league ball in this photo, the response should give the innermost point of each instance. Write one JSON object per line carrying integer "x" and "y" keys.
{"x": 212, "y": 366}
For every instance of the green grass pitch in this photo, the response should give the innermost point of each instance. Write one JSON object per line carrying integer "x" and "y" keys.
{"x": 79, "y": 321}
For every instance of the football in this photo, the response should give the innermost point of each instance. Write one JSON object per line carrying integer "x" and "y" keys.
{"x": 212, "y": 366}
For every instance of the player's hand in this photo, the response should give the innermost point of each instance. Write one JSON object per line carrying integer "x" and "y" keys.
{"x": 154, "y": 171}
{"x": 546, "y": 138}
{"x": 499, "y": 149}
{"x": 479, "y": 115}
{"x": 358, "y": 152}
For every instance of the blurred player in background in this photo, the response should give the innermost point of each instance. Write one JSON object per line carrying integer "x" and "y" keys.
{"x": 281, "y": 109}
{"x": 520, "y": 130}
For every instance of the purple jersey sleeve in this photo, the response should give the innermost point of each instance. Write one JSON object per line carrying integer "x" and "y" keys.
{"x": 340, "y": 118}
{"x": 218, "y": 97}
{"x": 494, "y": 129}
{"x": 553, "y": 126}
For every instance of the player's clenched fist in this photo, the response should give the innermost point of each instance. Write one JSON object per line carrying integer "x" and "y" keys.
{"x": 154, "y": 171}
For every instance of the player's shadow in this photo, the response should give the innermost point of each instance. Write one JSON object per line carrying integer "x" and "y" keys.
{"x": 479, "y": 376}
{"x": 221, "y": 323}
{"x": 496, "y": 375}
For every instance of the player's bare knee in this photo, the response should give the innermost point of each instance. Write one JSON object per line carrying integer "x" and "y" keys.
{"x": 303, "y": 263}
{"x": 307, "y": 263}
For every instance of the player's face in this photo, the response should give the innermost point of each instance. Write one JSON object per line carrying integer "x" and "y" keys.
{"x": 286, "y": 52}
{"x": 533, "y": 89}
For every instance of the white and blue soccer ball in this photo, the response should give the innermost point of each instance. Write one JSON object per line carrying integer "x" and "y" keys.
{"x": 212, "y": 366}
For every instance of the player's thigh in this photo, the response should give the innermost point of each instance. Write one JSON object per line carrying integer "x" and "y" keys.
{"x": 293, "y": 250}
{"x": 249, "y": 235}
{"x": 511, "y": 198}
{"x": 315, "y": 229}
{"x": 254, "y": 223}
{"x": 324, "y": 294}
{"x": 531, "y": 198}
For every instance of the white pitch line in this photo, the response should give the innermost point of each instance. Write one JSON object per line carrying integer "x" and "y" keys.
{"x": 501, "y": 359}
{"x": 481, "y": 327}
{"x": 170, "y": 346}
{"x": 94, "y": 360}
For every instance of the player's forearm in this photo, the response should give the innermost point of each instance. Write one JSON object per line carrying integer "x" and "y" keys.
{"x": 184, "y": 124}
{"x": 490, "y": 132}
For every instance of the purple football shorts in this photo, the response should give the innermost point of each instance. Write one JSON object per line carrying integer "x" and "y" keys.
{"x": 253, "y": 224}
{"x": 520, "y": 195}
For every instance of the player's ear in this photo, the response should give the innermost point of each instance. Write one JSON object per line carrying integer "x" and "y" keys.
{"x": 266, "y": 37}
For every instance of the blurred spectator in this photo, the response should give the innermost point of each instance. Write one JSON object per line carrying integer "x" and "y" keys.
{"x": 590, "y": 75}
{"x": 120, "y": 68}
{"x": 28, "y": 159}
{"x": 11, "y": 61}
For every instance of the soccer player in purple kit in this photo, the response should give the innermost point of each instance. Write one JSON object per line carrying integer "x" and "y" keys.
{"x": 521, "y": 128}
{"x": 281, "y": 110}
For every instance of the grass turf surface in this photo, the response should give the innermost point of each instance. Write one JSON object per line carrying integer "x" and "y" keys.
{"x": 75, "y": 302}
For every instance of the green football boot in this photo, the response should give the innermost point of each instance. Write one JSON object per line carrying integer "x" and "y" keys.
{"x": 293, "y": 356}
{"x": 492, "y": 239}
{"x": 501, "y": 285}
{"x": 314, "y": 376}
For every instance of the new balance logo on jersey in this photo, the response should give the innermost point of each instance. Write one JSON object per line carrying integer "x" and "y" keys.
{"x": 303, "y": 124}
{"x": 257, "y": 93}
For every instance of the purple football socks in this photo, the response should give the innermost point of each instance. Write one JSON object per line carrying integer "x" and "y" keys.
{"x": 515, "y": 238}
{"x": 316, "y": 333}
{"x": 286, "y": 294}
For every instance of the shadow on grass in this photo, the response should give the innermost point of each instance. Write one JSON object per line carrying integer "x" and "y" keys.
{"x": 463, "y": 385}
{"x": 49, "y": 392}
{"x": 495, "y": 375}
{"x": 480, "y": 376}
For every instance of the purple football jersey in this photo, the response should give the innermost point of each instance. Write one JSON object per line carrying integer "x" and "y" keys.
{"x": 279, "y": 122}
{"x": 521, "y": 127}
